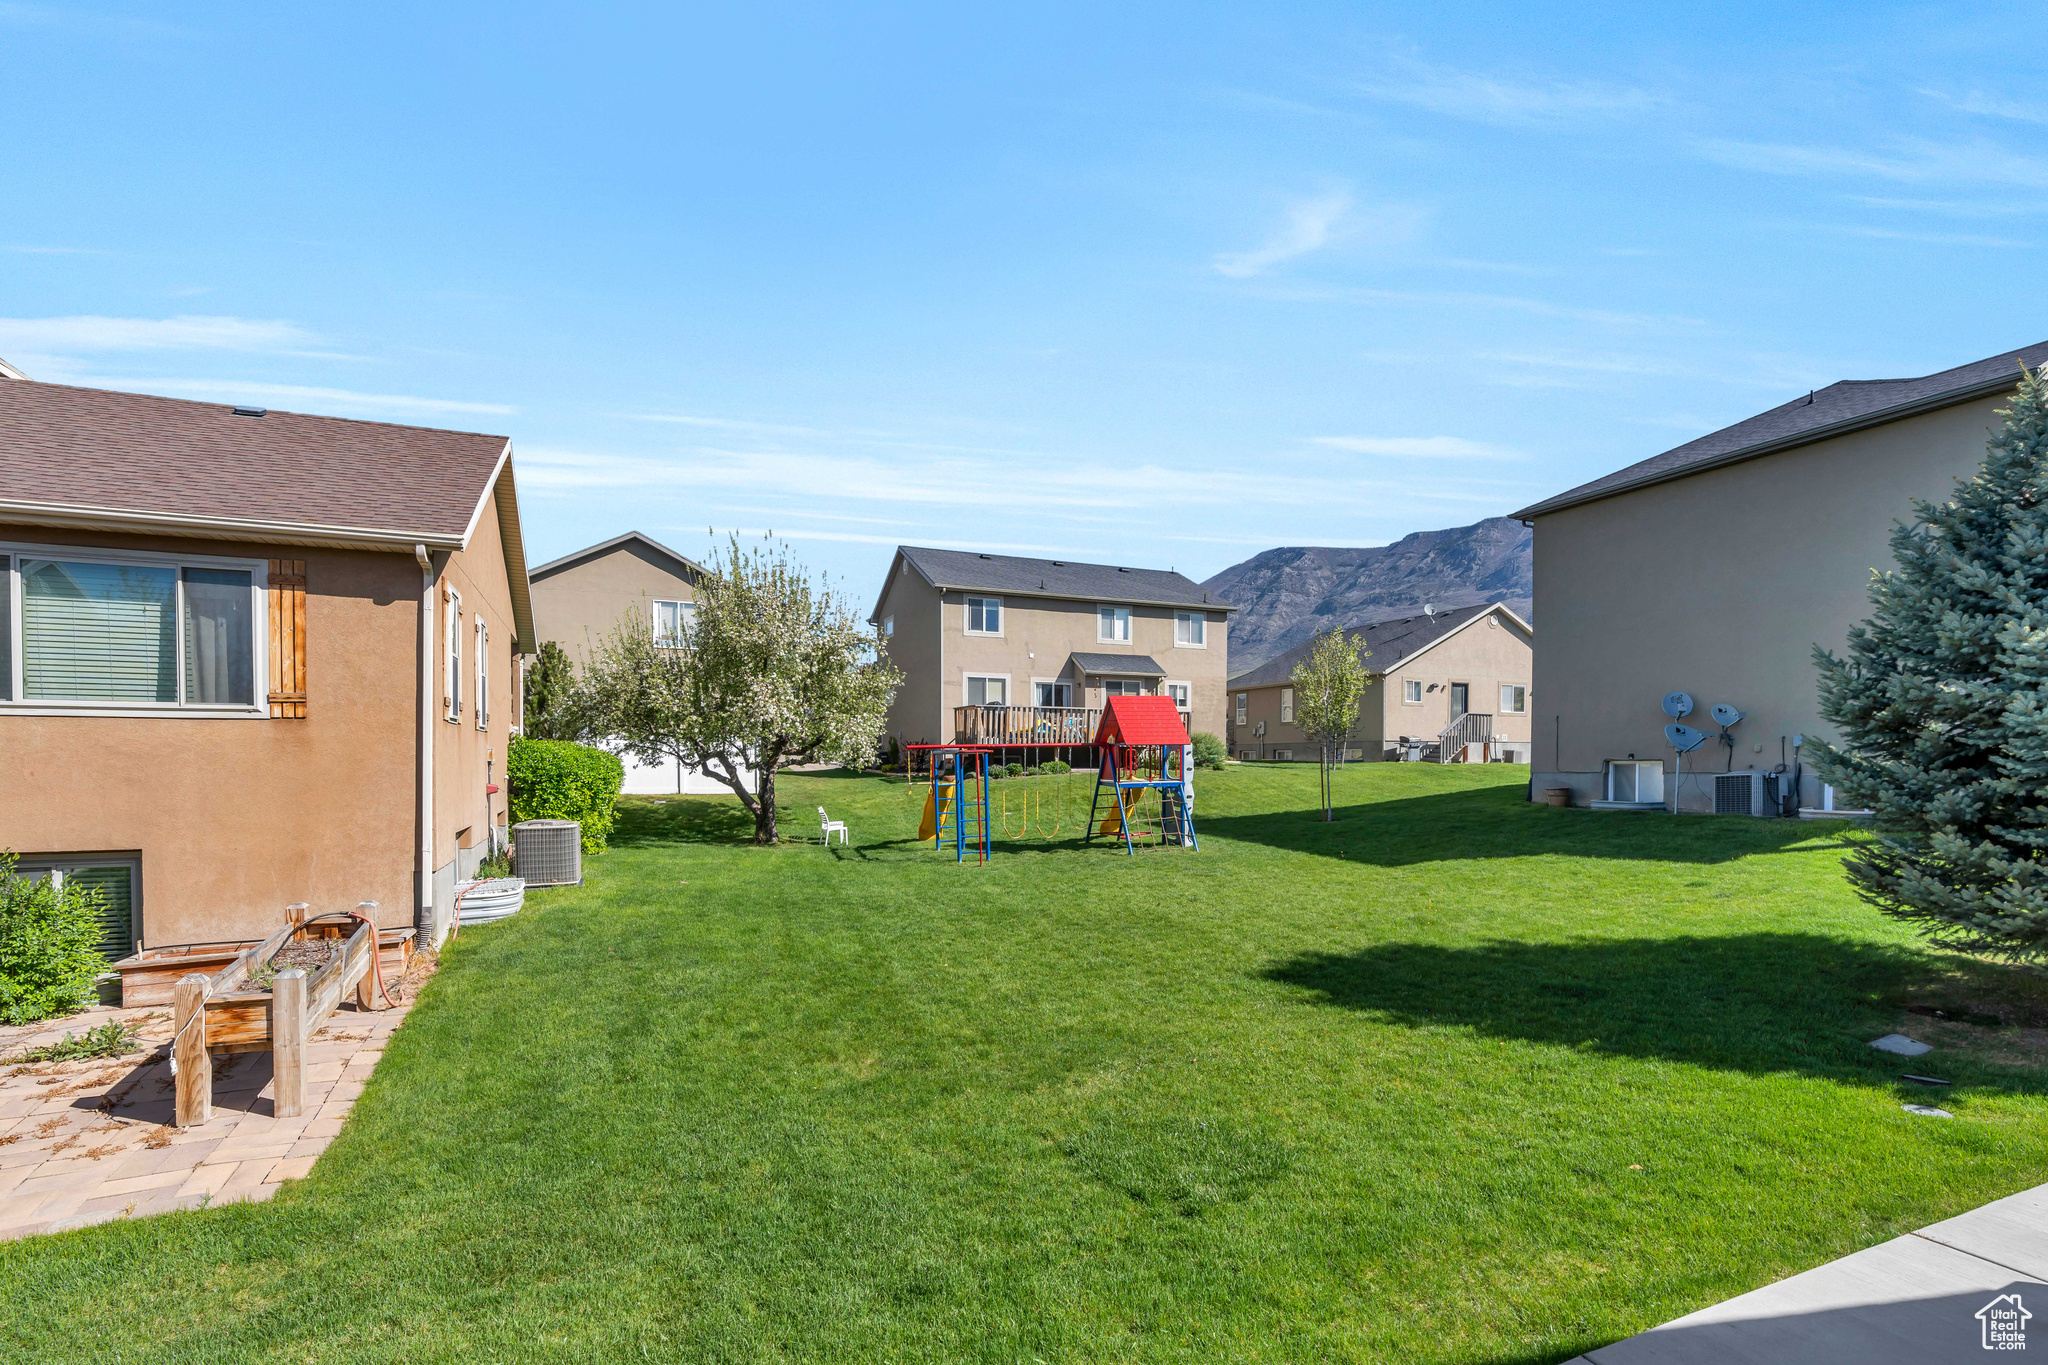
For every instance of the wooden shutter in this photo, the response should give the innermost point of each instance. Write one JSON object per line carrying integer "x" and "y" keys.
{"x": 287, "y": 639}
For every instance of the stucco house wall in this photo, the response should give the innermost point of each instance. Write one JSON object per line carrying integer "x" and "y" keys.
{"x": 578, "y": 599}
{"x": 1719, "y": 584}
{"x": 237, "y": 817}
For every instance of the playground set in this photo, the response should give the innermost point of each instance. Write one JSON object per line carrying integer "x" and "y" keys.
{"x": 1144, "y": 785}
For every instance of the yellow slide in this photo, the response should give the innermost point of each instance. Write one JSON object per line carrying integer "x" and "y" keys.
{"x": 928, "y": 828}
{"x": 1113, "y": 823}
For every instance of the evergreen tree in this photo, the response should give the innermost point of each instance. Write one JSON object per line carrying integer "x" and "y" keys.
{"x": 1942, "y": 705}
{"x": 552, "y": 711}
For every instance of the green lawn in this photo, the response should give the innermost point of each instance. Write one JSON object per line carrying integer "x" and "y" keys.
{"x": 1451, "y": 1079}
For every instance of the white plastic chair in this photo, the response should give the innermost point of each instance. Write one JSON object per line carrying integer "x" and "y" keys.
{"x": 827, "y": 827}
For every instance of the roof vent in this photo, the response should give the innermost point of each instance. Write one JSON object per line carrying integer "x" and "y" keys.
{"x": 1059, "y": 563}
{"x": 1123, "y": 570}
{"x": 251, "y": 412}
{"x": 982, "y": 556}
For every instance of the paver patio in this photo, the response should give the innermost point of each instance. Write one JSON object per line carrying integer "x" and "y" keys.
{"x": 88, "y": 1141}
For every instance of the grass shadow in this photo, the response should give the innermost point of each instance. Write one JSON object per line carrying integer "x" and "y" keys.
{"x": 1499, "y": 822}
{"x": 1761, "y": 1003}
{"x": 647, "y": 821}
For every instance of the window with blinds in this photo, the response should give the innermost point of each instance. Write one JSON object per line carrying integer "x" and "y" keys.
{"x": 117, "y": 632}
{"x": 114, "y": 882}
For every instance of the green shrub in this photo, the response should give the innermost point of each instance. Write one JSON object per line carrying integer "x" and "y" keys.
{"x": 553, "y": 779}
{"x": 1055, "y": 767}
{"x": 1013, "y": 770}
{"x": 1209, "y": 751}
{"x": 49, "y": 945}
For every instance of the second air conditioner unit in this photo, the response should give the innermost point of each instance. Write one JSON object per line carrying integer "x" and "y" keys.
{"x": 1739, "y": 794}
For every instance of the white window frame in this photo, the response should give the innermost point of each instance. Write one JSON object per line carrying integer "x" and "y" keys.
{"x": 1287, "y": 706}
{"x": 1119, "y": 617}
{"x": 1512, "y": 704}
{"x": 1120, "y": 679}
{"x": 1283, "y": 755}
{"x": 1638, "y": 764}
{"x": 1411, "y": 691}
{"x": 257, "y": 708}
{"x": 1243, "y": 707}
{"x": 1037, "y": 683}
{"x": 967, "y": 617}
{"x": 451, "y": 671}
{"x": 1200, "y": 621}
{"x": 888, "y": 626}
{"x": 686, "y": 615}
{"x": 483, "y": 674}
{"x": 1167, "y": 685}
{"x": 967, "y": 676}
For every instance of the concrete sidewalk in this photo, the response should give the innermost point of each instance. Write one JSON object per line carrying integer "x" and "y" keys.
{"x": 1928, "y": 1298}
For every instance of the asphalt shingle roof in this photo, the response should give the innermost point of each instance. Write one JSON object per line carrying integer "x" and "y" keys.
{"x": 1389, "y": 642}
{"x": 964, "y": 569}
{"x": 1135, "y": 665}
{"x": 69, "y": 447}
{"x": 1840, "y": 407}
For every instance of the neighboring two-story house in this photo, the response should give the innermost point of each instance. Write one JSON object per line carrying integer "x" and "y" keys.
{"x": 1451, "y": 685}
{"x": 633, "y": 581}
{"x": 1000, "y": 649}
{"x": 249, "y": 658}
{"x": 1716, "y": 567}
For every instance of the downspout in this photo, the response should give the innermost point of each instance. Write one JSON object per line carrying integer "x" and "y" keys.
{"x": 425, "y": 916}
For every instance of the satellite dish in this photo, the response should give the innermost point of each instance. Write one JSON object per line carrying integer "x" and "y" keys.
{"x": 1677, "y": 705}
{"x": 1684, "y": 738}
{"x": 1429, "y": 608}
{"x": 1725, "y": 715}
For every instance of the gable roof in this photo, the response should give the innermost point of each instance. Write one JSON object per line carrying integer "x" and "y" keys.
{"x": 1392, "y": 642}
{"x": 1842, "y": 407}
{"x": 589, "y": 552}
{"x": 1140, "y": 720}
{"x": 107, "y": 458}
{"x": 102, "y": 460}
{"x": 1065, "y": 578}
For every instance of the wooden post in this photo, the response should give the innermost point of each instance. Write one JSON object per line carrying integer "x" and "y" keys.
{"x": 288, "y": 1042}
{"x": 366, "y": 989}
{"x": 194, "y": 1062}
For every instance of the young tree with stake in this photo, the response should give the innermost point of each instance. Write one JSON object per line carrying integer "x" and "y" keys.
{"x": 1327, "y": 686}
{"x": 773, "y": 672}
{"x": 1942, "y": 705}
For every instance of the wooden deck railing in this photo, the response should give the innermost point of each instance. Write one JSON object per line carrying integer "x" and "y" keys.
{"x": 1024, "y": 724}
{"x": 1474, "y": 727}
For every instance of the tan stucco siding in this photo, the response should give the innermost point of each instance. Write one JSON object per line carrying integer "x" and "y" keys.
{"x": 579, "y": 604}
{"x": 911, "y": 607}
{"x": 1719, "y": 585}
{"x": 1040, "y": 637}
{"x": 237, "y": 818}
{"x": 1482, "y": 656}
{"x": 466, "y": 758}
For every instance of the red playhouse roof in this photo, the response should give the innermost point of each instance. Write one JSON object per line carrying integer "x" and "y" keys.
{"x": 1141, "y": 720}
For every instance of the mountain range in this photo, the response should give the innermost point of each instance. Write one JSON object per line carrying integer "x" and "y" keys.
{"x": 1289, "y": 594}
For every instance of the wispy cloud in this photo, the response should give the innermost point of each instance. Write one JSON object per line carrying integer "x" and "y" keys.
{"x": 1936, "y": 238}
{"x": 90, "y": 334}
{"x": 1419, "y": 447}
{"x": 1568, "y": 369}
{"x": 325, "y": 399}
{"x": 1493, "y": 99}
{"x": 1455, "y": 299}
{"x": 1992, "y": 106}
{"x": 1912, "y": 160}
{"x": 23, "y": 249}
{"x": 1308, "y": 227}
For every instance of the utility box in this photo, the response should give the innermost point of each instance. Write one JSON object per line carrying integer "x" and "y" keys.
{"x": 548, "y": 852}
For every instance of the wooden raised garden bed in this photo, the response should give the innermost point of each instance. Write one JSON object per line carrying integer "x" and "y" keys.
{"x": 151, "y": 977}
{"x": 271, "y": 997}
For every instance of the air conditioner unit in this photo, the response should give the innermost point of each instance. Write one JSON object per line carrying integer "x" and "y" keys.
{"x": 1739, "y": 794}
{"x": 548, "y": 852}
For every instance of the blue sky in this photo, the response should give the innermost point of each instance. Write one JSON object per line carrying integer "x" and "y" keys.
{"x": 1161, "y": 285}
